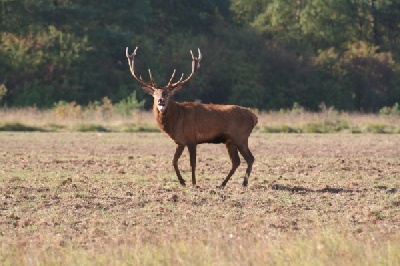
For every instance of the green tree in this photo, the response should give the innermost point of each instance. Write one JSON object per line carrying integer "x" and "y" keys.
{"x": 328, "y": 23}
{"x": 267, "y": 54}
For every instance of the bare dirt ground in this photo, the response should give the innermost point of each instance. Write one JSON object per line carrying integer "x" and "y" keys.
{"x": 94, "y": 190}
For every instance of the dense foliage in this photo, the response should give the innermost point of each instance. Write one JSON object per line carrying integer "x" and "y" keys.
{"x": 266, "y": 54}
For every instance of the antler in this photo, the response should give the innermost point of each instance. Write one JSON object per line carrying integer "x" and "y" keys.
{"x": 149, "y": 87}
{"x": 195, "y": 66}
{"x": 131, "y": 62}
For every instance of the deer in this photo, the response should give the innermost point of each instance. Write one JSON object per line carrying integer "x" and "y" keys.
{"x": 191, "y": 123}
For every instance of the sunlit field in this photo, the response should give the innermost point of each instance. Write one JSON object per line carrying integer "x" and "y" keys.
{"x": 105, "y": 198}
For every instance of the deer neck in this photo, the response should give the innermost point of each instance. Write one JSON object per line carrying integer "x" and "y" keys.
{"x": 165, "y": 120}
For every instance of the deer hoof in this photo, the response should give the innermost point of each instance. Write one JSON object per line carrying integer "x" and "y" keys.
{"x": 222, "y": 186}
{"x": 182, "y": 182}
{"x": 245, "y": 183}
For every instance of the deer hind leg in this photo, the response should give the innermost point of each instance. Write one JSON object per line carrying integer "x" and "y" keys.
{"x": 192, "y": 155}
{"x": 235, "y": 160}
{"x": 246, "y": 153}
{"x": 178, "y": 153}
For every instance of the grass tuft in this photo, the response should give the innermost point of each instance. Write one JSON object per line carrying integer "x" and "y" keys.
{"x": 90, "y": 128}
{"x": 379, "y": 129}
{"x": 138, "y": 127}
{"x": 327, "y": 126}
{"x": 16, "y": 126}
{"x": 281, "y": 129}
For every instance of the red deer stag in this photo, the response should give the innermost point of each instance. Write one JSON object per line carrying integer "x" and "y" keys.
{"x": 190, "y": 123}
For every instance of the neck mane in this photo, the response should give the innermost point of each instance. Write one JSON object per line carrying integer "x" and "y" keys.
{"x": 163, "y": 118}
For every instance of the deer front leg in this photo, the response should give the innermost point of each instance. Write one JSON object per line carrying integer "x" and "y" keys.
{"x": 178, "y": 153}
{"x": 192, "y": 155}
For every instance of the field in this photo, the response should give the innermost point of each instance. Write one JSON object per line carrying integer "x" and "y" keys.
{"x": 113, "y": 199}
{"x": 106, "y": 118}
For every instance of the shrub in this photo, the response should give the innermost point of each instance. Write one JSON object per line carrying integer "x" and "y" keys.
{"x": 385, "y": 111}
{"x": 3, "y": 91}
{"x": 62, "y": 109}
{"x": 394, "y": 110}
{"x": 105, "y": 108}
{"x": 125, "y": 106}
{"x": 327, "y": 126}
{"x": 377, "y": 128}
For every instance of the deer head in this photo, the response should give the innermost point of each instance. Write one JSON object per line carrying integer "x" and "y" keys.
{"x": 162, "y": 95}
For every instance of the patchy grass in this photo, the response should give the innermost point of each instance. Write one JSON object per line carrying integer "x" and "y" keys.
{"x": 79, "y": 120}
{"x": 327, "y": 248}
{"x": 380, "y": 128}
{"x": 114, "y": 199}
{"x": 90, "y": 128}
{"x": 32, "y": 119}
{"x": 15, "y": 126}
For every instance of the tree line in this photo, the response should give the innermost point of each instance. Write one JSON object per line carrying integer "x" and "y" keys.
{"x": 265, "y": 54}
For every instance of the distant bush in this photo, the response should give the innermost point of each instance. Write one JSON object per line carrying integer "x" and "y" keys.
{"x": 104, "y": 109}
{"x": 127, "y": 105}
{"x": 378, "y": 129}
{"x": 62, "y": 109}
{"x": 394, "y": 110}
{"x": 3, "y": 91}
{"x": 326, "y": 126}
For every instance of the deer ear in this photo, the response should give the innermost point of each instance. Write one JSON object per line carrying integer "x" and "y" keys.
{"x": 148, "y": 90}
{"x": 175, "y": 90}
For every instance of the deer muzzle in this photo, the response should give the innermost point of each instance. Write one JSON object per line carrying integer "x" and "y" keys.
{"x": 161, "y": 105}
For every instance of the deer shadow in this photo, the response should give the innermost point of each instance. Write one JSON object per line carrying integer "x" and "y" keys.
{"x": 303, "y": 190}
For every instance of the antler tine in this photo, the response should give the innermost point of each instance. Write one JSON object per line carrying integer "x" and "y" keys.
{"x": 131, "y": 62}
{"x": 172, "y": 77}
{"x": 181, "y": 78}
{"x": 169, "y": 82}
{"x": 195, "y": 66}
{"x": 127, "y": 53}
{"x": 200, "y": 56}
{"x": 152, "y": 79}
{"x": 131, "y": 55}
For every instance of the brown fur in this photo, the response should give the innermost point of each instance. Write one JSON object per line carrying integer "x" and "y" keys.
{"x": 190, "y": 123}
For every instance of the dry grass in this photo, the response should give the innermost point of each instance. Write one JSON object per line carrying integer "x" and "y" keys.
{"x": 33, "y": 119}
{"x": 113, "y": 199}
{"x": 77, "y": 119}
{"x": 326, "y": 248}
{"x": 327, "y": 122}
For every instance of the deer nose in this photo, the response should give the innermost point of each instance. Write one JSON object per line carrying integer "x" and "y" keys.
{"x": 161, "y": 101}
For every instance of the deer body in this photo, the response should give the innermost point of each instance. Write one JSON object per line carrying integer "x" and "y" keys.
{"x": 189, "y": 123}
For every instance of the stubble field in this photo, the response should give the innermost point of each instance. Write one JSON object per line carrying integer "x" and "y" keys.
{"x": 114, "y": 199}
